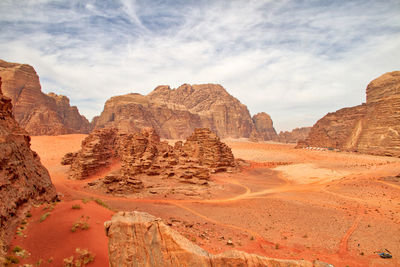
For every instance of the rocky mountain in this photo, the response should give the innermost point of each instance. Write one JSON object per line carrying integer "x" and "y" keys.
{"x": 36, "y": 112}
{"x": 264, "y": 128}
{"x": 372, "y": 128}
{"x": 175, "y": 113}
{"x": 23, "y": 179}
{"x": 294, "y": 135}
{"x": 140, "y": 239}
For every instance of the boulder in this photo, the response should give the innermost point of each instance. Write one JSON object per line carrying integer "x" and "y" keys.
{"x": 140, "y": 239}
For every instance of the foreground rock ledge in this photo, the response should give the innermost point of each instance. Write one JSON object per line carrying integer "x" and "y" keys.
{"x": 140, "y": 239}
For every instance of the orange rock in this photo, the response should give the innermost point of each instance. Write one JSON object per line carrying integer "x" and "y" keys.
{"x": 140, "y": 239}
{"x": 371, "y": 128}
{"x": 36, "y": 112}
{"x": 294, "y": 136}
{"x": 264, "y": 128}
{"x": 23, "y": 179}
{"x": 142, "y": 153}
{"x": 176, "y": 113}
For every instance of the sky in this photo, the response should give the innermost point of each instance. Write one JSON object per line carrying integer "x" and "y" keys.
{"x": 296, "y": 60}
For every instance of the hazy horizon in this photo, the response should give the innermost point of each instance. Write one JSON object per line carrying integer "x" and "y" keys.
{"x": 294, "y": 60}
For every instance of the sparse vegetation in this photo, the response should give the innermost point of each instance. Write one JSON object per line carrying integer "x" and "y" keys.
{"x": 101, "y": 203}
{"x": 11, "y": 260}
{"x": 82, "y": 257}
{"x": 86, "y": 200}
{"x": 17, "y": 249}
{"x": 276, "y": 246}
{"x": 80, "y": 224}
{"x": 76, "y": 207}
{"x": 28, "y": 215}
{"x": 44, "y": 216}
{"x": 305, "y": 236}
{"x": 252, "y": 238}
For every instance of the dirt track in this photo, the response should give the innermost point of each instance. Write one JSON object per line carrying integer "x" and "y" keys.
{"x": 321, "y": 205}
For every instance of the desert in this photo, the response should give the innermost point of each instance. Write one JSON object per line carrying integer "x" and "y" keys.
{"x": 340, "y": 208}
{"x": 199, "y": 133}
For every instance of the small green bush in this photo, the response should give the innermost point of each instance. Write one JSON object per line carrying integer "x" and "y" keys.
{"x": 76, "y": 207}
{"x": 44, "y": 216}
{"x": 17, "y": 249}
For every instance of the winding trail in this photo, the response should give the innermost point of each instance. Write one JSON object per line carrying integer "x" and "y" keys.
{"x": 343, "y": 246}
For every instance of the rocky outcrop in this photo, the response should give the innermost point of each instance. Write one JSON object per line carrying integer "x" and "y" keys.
{"x": 372, "y": 128}
{"x": 140, "y": 239}
{"x": 98, "y": 149}
{"x": 264, "y": 128}
{"x": 340, "y": 129}
{"x": 142, "y": 153}
{"x": 36, "y": 112}
{"x": 381, "y": 129}
{"x": 23, "y": 179}
{"x": 175, "y": 113}
{"x": 294, "y": 136}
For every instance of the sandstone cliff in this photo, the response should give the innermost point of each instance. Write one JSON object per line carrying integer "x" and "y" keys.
{"x": 372, "y": 128}
{"x": 23, "y": 179}
{"x": 381, "y": 129}
{"x": 140, "y": 239}
{"x": 36, "y": 112}
{"x": 264, "y": 128}
{"x": 294, "y": 135}
{"x": 142, "y": 153}
{"x": 175, "y": 113}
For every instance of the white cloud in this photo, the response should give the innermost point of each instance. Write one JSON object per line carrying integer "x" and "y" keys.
{"x": 294, "y": 61}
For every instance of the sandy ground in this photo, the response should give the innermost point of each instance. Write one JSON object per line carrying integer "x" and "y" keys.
{"x": 340, "y": 208}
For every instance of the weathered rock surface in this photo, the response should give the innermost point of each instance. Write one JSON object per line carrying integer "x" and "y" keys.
{"x": 372, "y": 128}
{"x": 381, "y": 129}
{"x": 140, "y": 239}
{"x": 36, "y": 112}
{"x": 23, "y": 179}
{"x": 142, "y": 153}
{"x": 264, "y": 128}
{"x": 175, "y": 113}
{"x": 294, "y": 136}
{"x": 98, "y": 149}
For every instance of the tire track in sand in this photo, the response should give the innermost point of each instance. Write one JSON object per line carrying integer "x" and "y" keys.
{"x": 343, "y": 245}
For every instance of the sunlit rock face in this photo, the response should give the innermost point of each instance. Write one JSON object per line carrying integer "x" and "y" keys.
{"x": 36, "y": 112}
{"x": 372, "y": 128}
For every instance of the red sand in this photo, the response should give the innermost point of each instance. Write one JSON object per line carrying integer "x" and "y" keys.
{"x": 335, "y": 207}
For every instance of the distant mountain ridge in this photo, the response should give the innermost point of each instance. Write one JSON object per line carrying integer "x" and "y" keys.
{"x": 175, "y": 113}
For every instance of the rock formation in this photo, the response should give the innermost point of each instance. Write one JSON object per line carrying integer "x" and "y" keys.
{"x": 36, "y": 112}
{"x": 23, "y": 179}
{"x": 372, "y": 128}
{"x": 294, "y": 135}
{"x": 264, "y": 128}
{"x": 142, "y": 153}
{"x": 381, "y": 129}
{"x": 175, "y": 113}
{"x": 140, "y": 239}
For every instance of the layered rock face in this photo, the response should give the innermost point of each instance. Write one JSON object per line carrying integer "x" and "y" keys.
{"x": 175, "y": 113}
{"x": 381, "y": 128}
{"x": 294, "y": 136}
{"x": 264, "y": 128}
{"x": 142, "y": 153}
{"x": 372, "y": 128}
{"x": 140, "y": 239}
{"x": 23, "y": 179}
{"x": 36, "y": 112}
